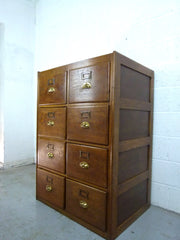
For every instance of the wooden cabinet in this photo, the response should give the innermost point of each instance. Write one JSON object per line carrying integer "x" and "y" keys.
{"x": 51, "y": 154}
{"x": 88, "y": 164}
{"x": 52, "y": 122}
{"x": 88, "y": 123}
{"x": 85, "y": 84}
{"x": 86, "y": 203}
{"x": 50, "y": 188}
{"x": 94, "y": 141}
{"x": 52, "y": 86}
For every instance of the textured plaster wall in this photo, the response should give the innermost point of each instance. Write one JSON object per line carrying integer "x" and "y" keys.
{"x": 18, "y": 18}
{"x": 1, "y": 93}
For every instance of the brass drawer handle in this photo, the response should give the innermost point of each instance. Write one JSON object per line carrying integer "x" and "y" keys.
{"x": 84, "y": 165}
{"x": 83, "y": 204}
{"x": 51, "y": 90}
{"x": 86, "y": 85}
{"x": 48, "y": 188}
{"x": 50, "y": 155}
{"x": 85, "y": 125}
{"x": 50, "y": 123}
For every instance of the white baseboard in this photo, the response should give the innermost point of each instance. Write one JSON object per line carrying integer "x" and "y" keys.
{"x": 19, "y": 163}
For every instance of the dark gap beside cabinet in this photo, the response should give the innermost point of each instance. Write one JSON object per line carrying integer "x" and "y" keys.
{"x": 132, "y": 163}
{"x": 132, "y": 200}
{"x": 133, "y": 124}
{"x": 134, "y": 85}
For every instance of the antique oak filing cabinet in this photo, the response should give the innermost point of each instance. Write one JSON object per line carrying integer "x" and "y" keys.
{"x": 94, "y": 141}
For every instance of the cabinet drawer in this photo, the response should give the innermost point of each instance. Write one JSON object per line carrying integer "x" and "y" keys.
{"x": 51, "y": 154}
{"x": 52, "y": 87}
{"x": 88, "y": 123}
{"x": 50, "y": 188}
{"x": 89, "y": 84}
{"x": 51, "y": 122}
{"x": 87, "y": 163}
{"x": 86, "y": 203}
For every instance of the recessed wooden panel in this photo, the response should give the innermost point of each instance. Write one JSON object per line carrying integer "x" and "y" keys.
{"x": 86, "y": 203}
{"x": 132, "y": 163}
{"x": 51, "y": 122}
{"x": 89, "y": 84}
{"x": 88, "y": 164}
{"x": 52, "y": 86}
{"x": 134, "y": 85}
{"x": 78, "y": 118}
{"x": 51, "y": 154}
{"x": 133, "y": 124}
{"x": 131, "y": 201}
{"x": 50, "y": 188}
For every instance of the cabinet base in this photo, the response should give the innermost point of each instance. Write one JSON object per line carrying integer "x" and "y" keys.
{"x": 105, "y": 235}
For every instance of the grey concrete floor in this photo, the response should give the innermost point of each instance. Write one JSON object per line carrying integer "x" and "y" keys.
{"x": 24, "y": 218}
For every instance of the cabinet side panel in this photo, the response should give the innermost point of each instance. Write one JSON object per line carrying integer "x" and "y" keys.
{"x": 130, "y": 201}
{"x": 134, "y": 85}
{"x": 135, "y": 141}
{"x": 133, "y": 124}
{"x": 132, "y": 163}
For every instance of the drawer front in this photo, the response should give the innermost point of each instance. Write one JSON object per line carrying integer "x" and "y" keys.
{"x": 51, "y": 154}
{"x": 87, "y": 163}
{"x": 88, "y": 124}
{"x": 52, "y": 87}
{"x": 50, "y": 188}
{"x": 86, "y": 203}
{"x": 89, "y": 84}
{"x": 51, "y": 122}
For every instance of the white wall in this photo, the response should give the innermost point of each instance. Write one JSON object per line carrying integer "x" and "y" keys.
{"x": 146, "y": 31}
{"x": 1, "y": 93}
{"x": 18, "y": 17}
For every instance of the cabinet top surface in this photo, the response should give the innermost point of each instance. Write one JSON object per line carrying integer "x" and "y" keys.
{"x": 94, "y": 60}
